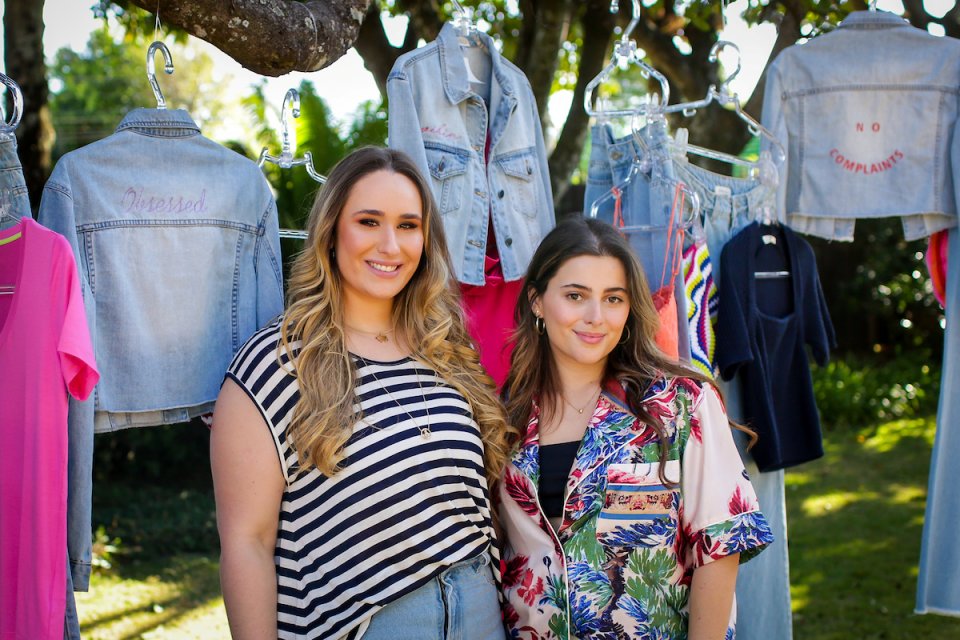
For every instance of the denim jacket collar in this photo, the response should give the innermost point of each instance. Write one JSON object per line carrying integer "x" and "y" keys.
{"x": 873, "y": 20}
{"x": 161, "y": 123}
{"x": 455, "y": 82}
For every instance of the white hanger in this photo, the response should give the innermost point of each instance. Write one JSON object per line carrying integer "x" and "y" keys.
{"x": 14, "y": 89}
{"x": 286, "y": 158}
{"x": 152, "y": 71}
{"x": 725, "y": 97}
{"x": 625, "y": 51}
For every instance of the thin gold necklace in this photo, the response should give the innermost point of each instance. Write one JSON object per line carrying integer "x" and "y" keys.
{"x": 379, "y": 336}
{"x": 580, "y": 410}
{"x": 425, "y": 432}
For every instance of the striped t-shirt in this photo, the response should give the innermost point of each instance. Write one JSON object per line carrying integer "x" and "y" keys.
{"x": 406, "y": 505}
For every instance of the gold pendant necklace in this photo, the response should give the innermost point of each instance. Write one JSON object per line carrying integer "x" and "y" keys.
{"x": 580, "y": 410}
{"x": 379, "y": 336}
{"x": 425, "y": 432}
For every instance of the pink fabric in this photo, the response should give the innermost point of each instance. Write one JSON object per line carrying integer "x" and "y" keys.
{"x": 937, "y": 265}
{"x": 489, "y": 314}
{"x": 45, "y": 352}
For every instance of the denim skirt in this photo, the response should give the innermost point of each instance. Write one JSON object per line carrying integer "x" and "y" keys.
{"x": 459, "y": 604}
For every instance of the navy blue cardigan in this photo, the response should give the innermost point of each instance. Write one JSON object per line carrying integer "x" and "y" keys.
{"x": 762, "y": 326}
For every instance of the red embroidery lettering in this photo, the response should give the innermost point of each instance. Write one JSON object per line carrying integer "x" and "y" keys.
{"x": 876, "y": 127}
{"x": 859, "y": 126}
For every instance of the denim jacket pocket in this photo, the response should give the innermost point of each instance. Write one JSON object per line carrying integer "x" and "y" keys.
{"x": 448, "y": 166}
{"x": 638, "y": 509}
{"x": 519, "y": 169}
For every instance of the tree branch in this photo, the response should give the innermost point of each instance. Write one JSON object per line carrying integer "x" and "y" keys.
{"x": 269, "y": 37}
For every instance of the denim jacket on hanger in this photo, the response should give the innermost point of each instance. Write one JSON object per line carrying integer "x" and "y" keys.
{"x": 867, "y": 115}
{"x": 177, "y": 247}
{"x": 448, "y": 130}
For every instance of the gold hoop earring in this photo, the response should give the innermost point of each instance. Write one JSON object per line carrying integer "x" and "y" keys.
{"x": 539, "y": 325}
{"x": 625, "y": 337}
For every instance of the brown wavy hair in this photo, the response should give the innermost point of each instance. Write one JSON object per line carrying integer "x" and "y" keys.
{"x": 636, "y": 360}
{"x": 426, "y": 312}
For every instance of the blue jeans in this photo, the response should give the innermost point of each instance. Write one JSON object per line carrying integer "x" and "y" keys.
{"x": 459, "y": 604}
{"x": 13, "y": 189}
{"x": 647, "y": 201}
{"x": 938, "y": 589}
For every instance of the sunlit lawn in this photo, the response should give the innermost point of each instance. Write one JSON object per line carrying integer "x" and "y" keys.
{"x": 855, "y": 520}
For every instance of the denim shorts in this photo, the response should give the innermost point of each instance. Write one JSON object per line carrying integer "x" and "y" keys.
{"x": 727, "y": 204}
{"x": 459, "y": 604}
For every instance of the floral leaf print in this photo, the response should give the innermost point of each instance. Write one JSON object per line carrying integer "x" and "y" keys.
{"x": 514, "y": 569}
{"x": 647, "y": 533}
{"x": 740, "y": 504}
{"x": 555, "y": 593}
{"x": 531, "y": 587}
{"x": 557, "y": 626}
{"x": 517, "y": 487}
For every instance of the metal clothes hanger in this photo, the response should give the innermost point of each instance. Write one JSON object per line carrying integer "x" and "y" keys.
{"x": 152, "y": 70}
{"x": 8, "y": 127}
{"x": 625, "y": 52}
{"x": 286, "y": 158}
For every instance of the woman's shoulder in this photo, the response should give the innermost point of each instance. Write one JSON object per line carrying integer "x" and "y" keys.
{"x": 263, "y": 350}
{"x": 666, "y": 390}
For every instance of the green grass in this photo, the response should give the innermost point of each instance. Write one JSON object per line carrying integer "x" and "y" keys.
{"x": 855, "y": 520}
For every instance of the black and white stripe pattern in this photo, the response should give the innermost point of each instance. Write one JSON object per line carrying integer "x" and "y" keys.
{"x": 402, "y": 509}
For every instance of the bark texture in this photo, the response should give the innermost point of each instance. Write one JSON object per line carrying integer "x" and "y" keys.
{"x": 269, "y": 37}
{"x": 24, "y": 62}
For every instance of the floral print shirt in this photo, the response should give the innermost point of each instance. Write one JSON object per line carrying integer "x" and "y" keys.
{"x": 622, "y": 560}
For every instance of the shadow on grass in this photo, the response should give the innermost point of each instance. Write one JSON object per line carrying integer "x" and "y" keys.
{"x": 152, "y": 594}
{"x": 855, "y": 521}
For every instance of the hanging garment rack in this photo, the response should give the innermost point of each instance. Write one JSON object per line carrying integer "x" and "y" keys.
{"x": 286, "y": 158}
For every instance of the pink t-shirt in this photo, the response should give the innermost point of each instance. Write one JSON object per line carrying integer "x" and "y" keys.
{"x": 45, "y": 352}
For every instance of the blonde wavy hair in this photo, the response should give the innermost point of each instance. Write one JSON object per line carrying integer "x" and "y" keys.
{"x": 426, "y": 312}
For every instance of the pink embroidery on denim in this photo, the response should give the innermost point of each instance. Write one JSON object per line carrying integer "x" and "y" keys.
{"x": 440, "y": 132}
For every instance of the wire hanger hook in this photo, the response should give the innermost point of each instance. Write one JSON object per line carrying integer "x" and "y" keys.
{"x": 152, "y": 70}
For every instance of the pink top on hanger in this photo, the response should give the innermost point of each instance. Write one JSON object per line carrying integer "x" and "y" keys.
{"x": 45, "y": 353}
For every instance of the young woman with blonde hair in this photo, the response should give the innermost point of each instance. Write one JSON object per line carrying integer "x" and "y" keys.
{"x": 356, "y": 437}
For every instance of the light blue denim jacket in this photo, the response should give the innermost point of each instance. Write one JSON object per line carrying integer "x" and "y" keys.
{"x": 867, "y": 114}
{"x": 443, "y": 125}
{"x": 176, "y": 240}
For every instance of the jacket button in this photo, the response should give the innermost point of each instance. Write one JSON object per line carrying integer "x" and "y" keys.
{"x": 529, "y": 170}
{"x": 440, "y": 166}
{"x": 500, "y": 194}
{"x": 616, "y": 155}
{"x": 508, "y": 241}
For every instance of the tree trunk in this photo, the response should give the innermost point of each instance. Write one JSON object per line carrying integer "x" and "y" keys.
{"x": 597, "y": 25}
{"x": 23, "y": 57}
{"x": 269, "y": 37}
{"x": 546, "y": 24}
